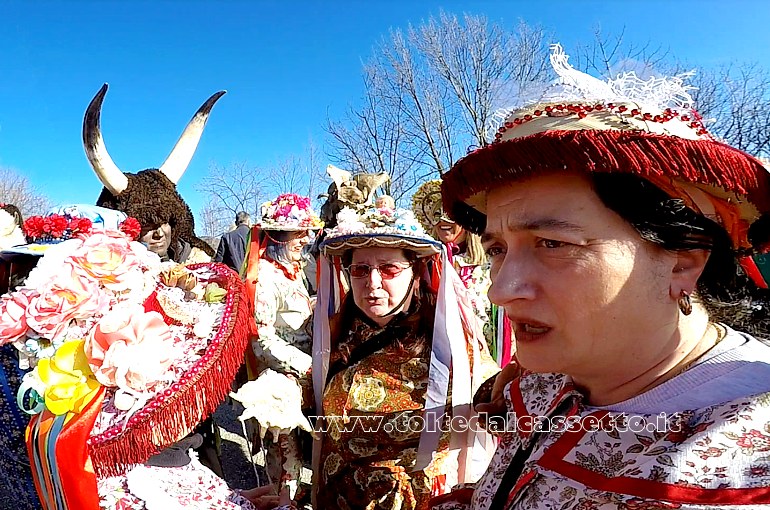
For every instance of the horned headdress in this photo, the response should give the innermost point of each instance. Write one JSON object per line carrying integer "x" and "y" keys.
{"x": 149, "y": 195}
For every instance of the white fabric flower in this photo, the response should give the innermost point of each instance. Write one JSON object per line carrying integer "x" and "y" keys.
{"x": 348, "y": 221}
{"x": 274, "y": 400}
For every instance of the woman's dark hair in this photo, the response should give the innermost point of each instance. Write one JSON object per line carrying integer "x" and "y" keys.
{"x": 275, "y": 248}
{"x": 14, "y": 212}
{"x": 424, "y": 301}
{"x": 728, "y": 295}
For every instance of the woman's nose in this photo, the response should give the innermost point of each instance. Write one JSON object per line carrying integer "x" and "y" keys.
{"x": 515, "y": 279}
{"x": 374, "y": 280}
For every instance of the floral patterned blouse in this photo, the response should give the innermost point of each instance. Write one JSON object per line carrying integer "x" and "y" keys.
{"x": 369, "y": 446}
{"x": 282, "y": 312}
{"x": 714, "y": 457}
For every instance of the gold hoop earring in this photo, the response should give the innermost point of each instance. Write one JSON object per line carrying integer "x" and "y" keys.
{"x": 685, "y": 303}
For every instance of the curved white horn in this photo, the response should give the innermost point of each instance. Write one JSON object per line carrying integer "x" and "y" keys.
{"x": 106, "y": 170}
{"x": 176, "y": 163}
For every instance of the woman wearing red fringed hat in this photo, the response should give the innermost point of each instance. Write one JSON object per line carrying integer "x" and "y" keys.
{"x": 621, "y": 237}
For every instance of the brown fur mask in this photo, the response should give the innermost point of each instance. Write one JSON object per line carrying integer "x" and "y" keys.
{"x": 150, "y": 196}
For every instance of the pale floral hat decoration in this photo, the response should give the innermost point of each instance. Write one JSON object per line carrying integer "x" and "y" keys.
{"x": 291, "y": 212}
{"x": 623, "y": 125}
{"x": 383, "y": 227}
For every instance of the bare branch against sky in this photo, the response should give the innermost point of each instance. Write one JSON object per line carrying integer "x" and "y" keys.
{"x": 16, "y": 189}
{"x": 429, "y": 92}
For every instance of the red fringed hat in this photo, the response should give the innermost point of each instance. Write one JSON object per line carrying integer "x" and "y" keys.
{"x": 648, "y": 128}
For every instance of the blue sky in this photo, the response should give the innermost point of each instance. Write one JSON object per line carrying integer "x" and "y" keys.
{"x": 286, "y": 67}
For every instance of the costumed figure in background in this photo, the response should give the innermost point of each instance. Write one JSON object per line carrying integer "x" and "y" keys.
{"x": 151, "y": 196}
{"x": 10, "y": 227}
{"x": 392, "y": 317}
{"x": 622, "y": 238}
{"x": 467, "y": 256}
{"x": 13, "y": 266}
{"x": 282, "y": 307}
{"x": 15, "y": 475}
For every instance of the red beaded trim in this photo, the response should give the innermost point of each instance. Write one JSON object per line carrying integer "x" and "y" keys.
{"x": 582, "y": 110}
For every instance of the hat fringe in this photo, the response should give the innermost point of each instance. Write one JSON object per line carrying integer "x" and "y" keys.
{"x": 647, "y": 155}
{"x": 195, "y": 399}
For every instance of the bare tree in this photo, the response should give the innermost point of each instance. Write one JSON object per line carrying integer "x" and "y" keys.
{"x": 316, "y": 170}
{"x": 372, "y": 138}
{"x": 299, "y": 173}
{"x": 607, "y": 55}
{"x": 429, "y": 93}
{"x": 213, "y": 221}
{"x": 229, "y": 190}
{"x": 286, "y": 176}
{"x": 734, "y": 100}
{"x": 16, "y": 189}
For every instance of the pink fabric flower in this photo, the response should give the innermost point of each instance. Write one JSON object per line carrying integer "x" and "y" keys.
{"x": 130, "y": 348}
{"x": 109, "y": 259}
{"x": 13, "y": 319}
{"x": 68, "y": 296}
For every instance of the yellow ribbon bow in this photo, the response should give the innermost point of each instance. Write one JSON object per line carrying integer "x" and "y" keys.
{"x": 69, "y": 382}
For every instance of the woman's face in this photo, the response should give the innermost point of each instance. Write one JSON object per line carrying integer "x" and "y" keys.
{"x": 585, "y": 294}
{"x": 377, "y": 294}
{"x": 448, "y": 232}
{"x": 158, "y": 239}
{"x": 295, "y": 244}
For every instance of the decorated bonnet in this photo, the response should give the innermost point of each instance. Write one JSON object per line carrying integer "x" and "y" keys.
{"x": 427, "y": 206}
{"x": 648, "y": 128}
{"x": 129, "y": 353}
{"x": 381, "y": 228}
{"x": 289, "y": 212}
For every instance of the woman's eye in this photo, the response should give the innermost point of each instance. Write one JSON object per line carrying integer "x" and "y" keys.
{"x": 551, "y": 244}
{"x": 493, "y": 251}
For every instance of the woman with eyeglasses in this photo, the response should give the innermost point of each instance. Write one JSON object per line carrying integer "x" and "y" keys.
{"x": 392, "y": 318}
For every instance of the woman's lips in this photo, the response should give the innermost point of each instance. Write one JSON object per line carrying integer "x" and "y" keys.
{"x": 526, "y": 329}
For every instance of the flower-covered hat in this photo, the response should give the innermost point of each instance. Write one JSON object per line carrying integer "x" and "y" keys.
{"x": 129, "y": 355}
{"x": 427, "y": 205}
{"x": 289, "y": 211}
{"x": 70, "y": 221}
{"x": 384, "y": 228}
{"x": 629, "y": 125}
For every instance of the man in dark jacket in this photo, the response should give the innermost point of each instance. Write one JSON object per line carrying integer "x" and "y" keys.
{"x": 232, "y": 246}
